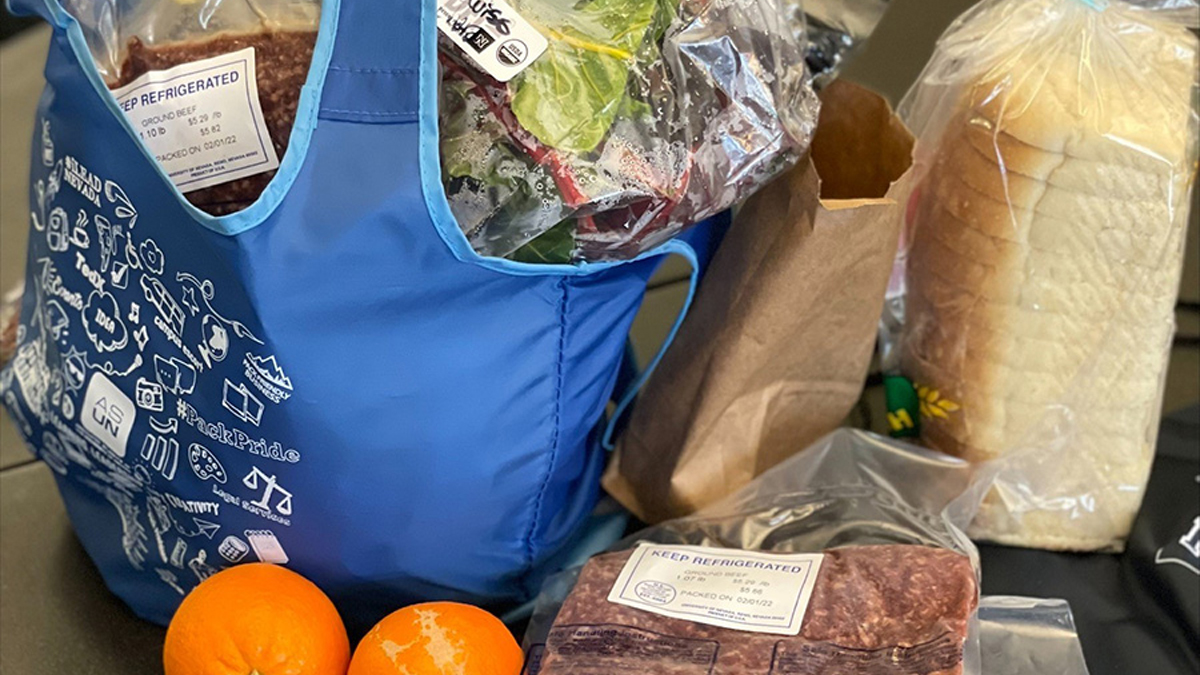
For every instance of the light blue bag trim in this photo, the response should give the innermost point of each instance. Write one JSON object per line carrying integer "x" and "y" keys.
{"x": 682, "y": 248}
{"x": 293, "y": 159}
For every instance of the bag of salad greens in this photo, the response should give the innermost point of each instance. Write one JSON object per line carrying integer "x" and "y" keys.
{"x": 639, "y": 118}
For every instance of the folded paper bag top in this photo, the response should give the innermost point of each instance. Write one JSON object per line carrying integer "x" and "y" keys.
{"x": 775, "y": 350}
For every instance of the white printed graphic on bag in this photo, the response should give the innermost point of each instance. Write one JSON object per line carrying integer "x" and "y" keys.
{"x": 149, "y": 395}
{"x": 268, "y": 377}
{"x": 207, "y": 294}
{"x": 273, "y": 496}
{"x": 53, "y": 453}
{"x": 216, "y": 341}
{"x": 266, "y": 546}
{"x": 108, "y": 414}
{"x": 170, "y": 318}
{"x": 174, "y": 375}
{"x": 74, "y": 369}
{"x": 178, "y": 553}
{"x": 171, "y": 426}
{"x": 47, "y": 144}
{"x": 86, "y": 183}
{"x": 14, "y": 408}
{"x": 57, "y": 321}
{"x": 200, "y": 567}
{"x": 58, "y": 235}
{"x": 205, "y": 464}
{"x": 103, "y": 324}
{"x": 51, "y": 284}
{"x": 244, "y": 405}
{"x": 79, "y": 234}
{"x": 205, "y": 528}
{"x": 59, "y": 452}
{"x": 168, "y": 577}
{"x": 161, "y": 453}
{"x": 88, "y": 367}
{"x": 235, "y": 437}
{"x": 271, "y": 500}
{"x": 202, "y": 120}
{"x": 233, "y": 549}
{"x": 29, "y": 365}
{"x": 110, "y": 236}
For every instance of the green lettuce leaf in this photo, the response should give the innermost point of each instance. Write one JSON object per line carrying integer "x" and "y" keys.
{"x": 554, "y": 246}
{"x": 569, "y": 97}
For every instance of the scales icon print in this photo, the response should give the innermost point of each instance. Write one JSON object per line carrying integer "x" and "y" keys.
{"x": 270, "y": 486}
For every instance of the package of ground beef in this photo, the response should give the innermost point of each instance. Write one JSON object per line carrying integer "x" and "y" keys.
{"x": 848, "y": 559}
{"x": 211, "y": 88}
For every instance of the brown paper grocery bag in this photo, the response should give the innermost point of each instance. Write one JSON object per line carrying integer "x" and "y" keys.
{"x": 775, "y": 350}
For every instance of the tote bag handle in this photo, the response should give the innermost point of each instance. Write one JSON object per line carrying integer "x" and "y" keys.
{"x": 673, "y": 247}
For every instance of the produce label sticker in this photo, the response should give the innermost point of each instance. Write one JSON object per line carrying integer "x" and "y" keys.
{"x": 492, "y": 34}
{"x": 740, "y": 590}
{"x": 202, "y": 120}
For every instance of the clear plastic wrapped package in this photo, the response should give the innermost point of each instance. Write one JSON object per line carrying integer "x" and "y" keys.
{"x": 114, "y": 28}
{"x": 1028, "y": 636}
{"x": 1036, "y": 286}
{"x": 130, "y": 38}
{"x": 641, "y": 118}
{"x": 896, "y": 592}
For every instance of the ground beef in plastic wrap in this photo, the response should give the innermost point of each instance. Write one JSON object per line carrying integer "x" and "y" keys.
{"x": 876, "y": 610}
{"x": 281, "y": 58}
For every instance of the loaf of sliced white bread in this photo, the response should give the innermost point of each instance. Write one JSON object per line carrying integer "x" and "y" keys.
{"x": 1044, "y": 267}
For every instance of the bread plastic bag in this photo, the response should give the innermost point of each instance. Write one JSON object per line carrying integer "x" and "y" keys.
{"x": 1036, "y": 285}
{"x": 134, "y": 41}
{"x": 895, "y": 591}
{"x": 641, "y": 117}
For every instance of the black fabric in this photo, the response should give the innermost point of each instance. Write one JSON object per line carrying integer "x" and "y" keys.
{"x": 1137, "y": 613}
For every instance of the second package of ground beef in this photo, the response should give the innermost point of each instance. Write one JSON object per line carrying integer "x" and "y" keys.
{"x": 894, "y": 589}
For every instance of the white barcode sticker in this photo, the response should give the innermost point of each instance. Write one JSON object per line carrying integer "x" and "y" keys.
{"x": 742, "y": 590}
{"x": 492, "y": 34}
{"x": 202, "y": 120}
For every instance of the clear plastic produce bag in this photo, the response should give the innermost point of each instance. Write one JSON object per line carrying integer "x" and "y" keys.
{"x": 896, "y": 593}
{"x": 1035, "y": 291}
{"x": 641, "y": 118}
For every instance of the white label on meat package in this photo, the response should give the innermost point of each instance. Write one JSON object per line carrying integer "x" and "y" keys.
{"x": 741, "y": 590}
{"x": 202, "y": 120}
{"x": 491, "y": 32}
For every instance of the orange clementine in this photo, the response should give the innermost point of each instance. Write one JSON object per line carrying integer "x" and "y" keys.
{"x": 256, "y": 619}
{"x": 438, "y": 638}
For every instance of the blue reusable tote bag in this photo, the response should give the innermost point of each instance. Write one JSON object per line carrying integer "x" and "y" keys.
{"x": 330, "y": 379}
